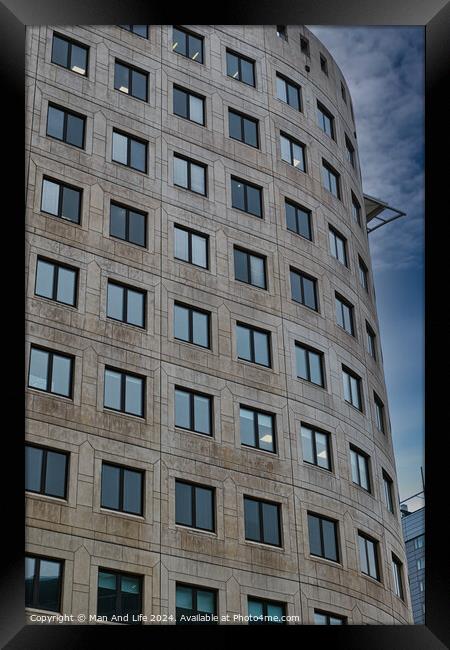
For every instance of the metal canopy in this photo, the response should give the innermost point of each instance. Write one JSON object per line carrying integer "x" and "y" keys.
{"x": 374, "y": 207}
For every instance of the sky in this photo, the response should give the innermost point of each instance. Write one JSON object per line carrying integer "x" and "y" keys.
{"x": 384, "y": 70}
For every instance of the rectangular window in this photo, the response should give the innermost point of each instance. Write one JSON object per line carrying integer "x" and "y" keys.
{"x": 69, "y": 54}
{"x": 325, "y": 120}
{"x": 191, "y": 325}
{"x": 119, "y": 594}
{"x": 46, "y": 471}
{"x": 368, "y": 556}
{"x": 331, "y": 179}
{"x": 56, "y": 282}
{"x": 187, "y": 44}
{"x": 343, "y": 93}
{"x": 419, "y": 542}
{"x": 352, "y": 388}
{"x": 257, "y": 429}
{"x": 122, "y": 489}
{"x": 316, "y": 447}
{"x": 43, "y": 583}
{"x": 50, "y": 372}
{"x": 139, "y": 30}
{"x": 192, "y": 602}
{"x": 125, "y": 304}
{"x": 371, "y": 341}
{"x": 282, "y": 32}
{"x": 189, "y": 174}
{"x": 323, "y": 64}
{"x": 124, "y": 392}
{"x": 288, "y": 92}
{"x": 65, "y": 125}
{"x": 298, "y": 219}
{"x": 194, "y": 505}
{"x": 345, "y": 314}
{"x": 359, "y": 462}
{"x": 130, "y": 151}
{"x": 356, "y": 210}
{"x": 323, "y": 537}
{"x": 326, "y": 618}
{"x": 388, "y": 489}
{"x": 293, "y": 152}
{"x": 253, "y": 345}
{"x": 243, "y": 128}
{"x": 309, "y": 364}
{"x": 379, "y": 413}
{"x": 188, "y": 105}
{"x": 363, "y": 275}
{"x": 61, "y": 200}
{"x": 338, "y": 246}
{"x": 246, "y": 197}
{"x": 130, "y": 80}
{"x": 128, "y": 224}
{"x": 250, "y": 268}
{"x": 241, "y": 68}
{"x": 420, "y": 564}
{"x": 304, "y": 289}
{"x": 304, "y": 45}
{"x": 349, "y": 151}
{"x": 265, "y": 612}
{"x": 262, "y": 521}
{"x": 191, "y": 246}
{"x": 193, "y": 411}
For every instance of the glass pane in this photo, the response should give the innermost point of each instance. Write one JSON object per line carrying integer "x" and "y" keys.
{"x": 206, "y": 601}
{"x": 182, "y": 409}
{"x": 139, "y": 81}
{"x": 117, "y": 223}
{"x": 255, "y": 608}
{"x": 257, "y": 271}
{"x": 75, "y": 130}
{"x": 251, "y": 133}
{"x": 138, "y": 155}
{"x": 281, "y": 89}
{"x": 291, "y": 219}
{"x": 115, "y": 300}
{"x": 362, "y": 554}
{"x": 240, "y": 265}
{"x": 237, "y": 194}
{"x": 354, "y": 466}
{"x": 121, "y": 78}
{"x": 325, "y": 178}
{"x": 55, "y": 479}
{"x": 197, "y": 179}
{"x": 320, "y": 619}
{"x": 49, "y": 585}
{"x": 181, "y": 244}
{"x": 135, "y": 308}
{"x": 195, "y": 48}
{"x": 309, "y": 293}
{"x": 339, "y": 317}
{"x": 254, "y": 200}
{"x": 336, "y": 621}
{"x": 61, "y": 375}
{"x": 251, "y": 514}
{"x": 315, "y": 367}
{"x": 196, "y": 109}
{"x": 129, "y": 585}
{"x": 293, "y": 97}
{"x": 133, "y": 395}
{"x": 183, "y": 504}
{"x": 234, "y": 124}
{"x": 243, "y": 343}
{"x": 181, "y": 322}
{"x": 106, "y": 604}
{"x": 184, "y": 597}
{"x": 322, "y": 450}
{"x": 329, "y": 539}
{"x": 371, "y": 552}
{"x": 347, "y": 392}
{"x": 38, "y": 369}
{"x": 340, "y": 246}
{"x": 354, "y": 384}
{"x": 79, "y": 59}
{"x": 202, "y": 422}
{"x": 66, "y": 286}
{"x": 112, "y": 390}
{"x": 180, "y": 174}
{"x": 271, "y": 524}
{"x": 120, "y": 146}
{"x": 30, "y": 564}
{"x": 247, "y": 427}
{"x": 285, "y": 149}
{"x": 55, "y": 123}
{"x": 180, "y": 102}
{"x": 363, "y": 472}
{"x": 247, "y": 72}
{"x": 33, "y": 468}
{"x": 304, "y": 223}
{"x": 179, "y": 42}
{"x": 199, "y": 256}
{"x": 130, "y": 595}
{"x": 200, "y": 329}
{"x": 315, "y": 546}
{"x": 261, "y": 343}
{"x": 60, "y": 51}
{"x": 307, "y": 445}
{"x": 276, "y": 612}
{"x": 140, "y": 30}
{"x": 132, "y": 492}
{"x": 204, "y": 508}
{"x": 136, "y": 228}
{"x": 302, "y": 368}
{"x": 44, "y": 279}
{"x": 71, "y": 204}
{"x": 50, "y": 197}
{"x": 232, "y": 66}
{"x": 298, "y": 160}
{"x": 265, "y": 426}
{"x": 110, "y": 487}
{"x": 296, "y": 287}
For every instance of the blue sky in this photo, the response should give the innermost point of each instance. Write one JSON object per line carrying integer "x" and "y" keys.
{"x": 384, "y": 69}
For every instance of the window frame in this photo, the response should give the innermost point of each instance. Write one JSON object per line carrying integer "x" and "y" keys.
{"x": 57, "y": 266}
{"x": 376, "y": 546}
{"x": 131, "y": 68}
{"x": 388, "y": 492}
{"x": 314, "y": 431}
{"x": 248, "y": 255}
{"x": 350, "y": 153}
{"x": 126, "y": 289}
{"x": 191, "y": 311}
{"x": 188, "y": 94}
{"x": 346, "y": 370}
{"x": 355, "y": 209}
{"x": 308, "y": 349}
{"x": 293, "y": 141}
{"x": 337, "y": 235}
{"x": 256, "y": 412}
{"x": 331, "y": 171}
{"x": 295, "y": 86}
{"x": 304, "y": 276}
{"x": 36, "y": 579}
{"x": 344, "y": 303}
{"x": 49, "y": 377}
{"x": 190, "y": 162}
{"x": 189, "y": 33}
{"x": 266, "y": 602}
{"x": 246, "y": 184}
{"x": 380, "y": 416}
{"x": 193, "y": 513}
{"x": 123, "y": 375}
{"x": 118, "y": 611}
{"x": 330, "y": 615}
{"x": 323, "y": 63}
{"x": 66, "y": 112}
{"x": 70, "y": 42}
{"x": 366, "y": 460}
{"x": 363, "y": 272}
{"x": 43, "y": 472}
{"x": 195, "y": 589}
{"x": 125, "y": 27}
{"x": 282, "y": 32}
{"x": 122, "y": 469}
{"x": 197, "y": 233}
{"x": 242, "y": 117}
{"x": 192, "y": 394}
{"x": 297, "y": 207}
{"x": 304, "y": 45}
{"x": 397, "y": 570}
{"x": 260, "y": 503}
{"x": 61, "y": 186}
{"x": 128, "y": 209}
{"x": 129, "y": 139}
{"x": 253, "y": 329}
{"x": 371, "y": 338}
{"x": 335, "y": 523}
{"x": 325, "y": 113}
{"x": 240, "y": 58}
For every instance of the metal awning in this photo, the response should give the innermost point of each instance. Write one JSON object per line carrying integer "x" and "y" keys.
{"x": 374, "y": 208}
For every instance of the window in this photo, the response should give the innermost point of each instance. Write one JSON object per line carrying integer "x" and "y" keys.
{"x": 46, "y": 471}
{"x": 119, "y": 594}
{"x": 246, "y": 196}
{"x": 326, "y": 618}
{"x": 191, "y": 246}
{"x": 304, "y": 289}
{"x": 316, "y": 447}
{"x": 304, "y": 45}
{"x": 293, "y": 152}
{"x": 193, "y": 411}
{"x": 124, "y": 392}
{"x": 187, "y": 44}
{"x": 127, "y": 224}
{"x": 264, "y": 612}
{"x": 194, "y": 602}
{"x": 288, "y": 92}
{"x": 343, "y": 93}
{"x": 56, "y": 282}
{"x": 139, "y": 30}
{"x": 189, "y": 174}
{"x": 262, "y": 521}
{"x": 298, "y": 219}
{"x": 69, "y": 54}
{"x": 309, "y": 364}
{"x": 243, "y": 128}
{"x": 338, "y": 246}
{"x": 331, "y": 179}
{"x": 371, "y": 341}
{"x": 188, "y": 105}
{"x": 349, "y": 151}
{"x": 43, "y": 583}
{"x": 420, "y": 564}
{"x": 122, "y": 489}
{"x": 129, "y": 151}
{"x": 250, "y": 268}
{"x": 419, "y": 542}
{"x": 191, "y": 325}
{"x": 257, "y": 429}
{"x": 61, "y": 200}
{"x": 421, "y": 585}
{"x": 50, "y": 372}
{"x": 352, "y": 388}
{"x": 323, "y": 537}
{"x": 325, "y": 120}
{"x": 130, "y": 80}
{"x": 282, "y": 31}
{"x": 368, "y": 556}
{"x": 240, "y": 68}
{"x": 359, "y": 462}
{"x": 125, "y": 304}
{"x": 253, "y": 345}
{"x": 388, "y": 489}
{"x": 194, "y": 506}
{"x": 363, "y": 274}
{"x": 323, "y": 64}
{"x": 356, "y": 210}
{"x": 66, "y": 126}
{"x": 344, "y": 314}
{"x": 379, "y": 413}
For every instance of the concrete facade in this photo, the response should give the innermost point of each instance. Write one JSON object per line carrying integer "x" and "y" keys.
{"x": 78, "y": 530}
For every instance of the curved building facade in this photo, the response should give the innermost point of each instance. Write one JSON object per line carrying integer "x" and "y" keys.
{"x": 207, "y": 420}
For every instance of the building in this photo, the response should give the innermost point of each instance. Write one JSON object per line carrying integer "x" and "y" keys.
{"x": 207, "y": 421}
{"x": 413, "y": 524}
